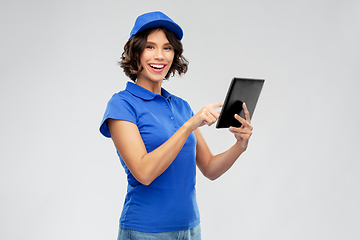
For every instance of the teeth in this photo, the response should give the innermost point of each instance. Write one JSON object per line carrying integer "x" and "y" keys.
{"x": 156, "y": 66}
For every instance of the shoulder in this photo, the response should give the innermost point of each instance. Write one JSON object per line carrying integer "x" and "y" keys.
{"x": 123, "y": 95}
{"x": 122, "y": 98}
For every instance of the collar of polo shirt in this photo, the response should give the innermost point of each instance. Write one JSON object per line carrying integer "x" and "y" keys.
{"x": 145, "y": 94}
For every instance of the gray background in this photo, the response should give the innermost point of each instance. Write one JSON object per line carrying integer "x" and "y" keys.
{"x": 299, "y": 179}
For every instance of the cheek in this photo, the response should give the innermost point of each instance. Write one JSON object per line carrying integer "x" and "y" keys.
{"x": 171, "y": 57}
{"x": 143, "y": 57}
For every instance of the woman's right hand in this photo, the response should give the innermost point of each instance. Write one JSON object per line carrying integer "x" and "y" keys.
{"x": 206, "y": 116}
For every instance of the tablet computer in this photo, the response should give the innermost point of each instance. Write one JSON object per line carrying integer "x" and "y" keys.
{"x": 241, "y": 90}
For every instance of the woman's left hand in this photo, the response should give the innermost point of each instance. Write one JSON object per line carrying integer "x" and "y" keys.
{"x": 243, "y": 133}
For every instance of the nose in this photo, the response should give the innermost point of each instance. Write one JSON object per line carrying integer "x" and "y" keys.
{"x": 159, "y": 55}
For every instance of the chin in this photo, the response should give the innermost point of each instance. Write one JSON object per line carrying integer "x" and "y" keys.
{"x": 155, "y": 78}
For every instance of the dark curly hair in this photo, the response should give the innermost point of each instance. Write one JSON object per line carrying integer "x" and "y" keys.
{"x": 130, "y": 58}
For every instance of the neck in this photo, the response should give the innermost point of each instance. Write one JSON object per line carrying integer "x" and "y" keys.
{"x": 154, "y": 87}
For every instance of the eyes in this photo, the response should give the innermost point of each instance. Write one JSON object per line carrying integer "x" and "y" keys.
{"x": 166, "y": 47}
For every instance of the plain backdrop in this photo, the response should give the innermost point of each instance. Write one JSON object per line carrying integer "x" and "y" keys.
{"x": 299, "y": 179}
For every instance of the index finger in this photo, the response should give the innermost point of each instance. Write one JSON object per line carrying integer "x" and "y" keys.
{"x": 216, "y": 105}
{"x": 246, "y": 113}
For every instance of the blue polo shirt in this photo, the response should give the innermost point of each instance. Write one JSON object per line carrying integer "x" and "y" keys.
{"x": 169, "y": 202}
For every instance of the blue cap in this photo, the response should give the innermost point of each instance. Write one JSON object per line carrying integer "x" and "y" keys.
{"x": 155, "y": 19}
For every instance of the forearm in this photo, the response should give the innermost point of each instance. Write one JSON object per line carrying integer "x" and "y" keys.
{"x": 219, "y": 164}
{"x": 152, "y": 164}
{"x": 157, "y": 161}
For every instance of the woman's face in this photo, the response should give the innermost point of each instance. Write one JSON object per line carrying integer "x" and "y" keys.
{"x": 156, "y": 58}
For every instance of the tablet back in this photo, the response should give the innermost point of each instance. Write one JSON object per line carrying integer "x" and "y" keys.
{"x": 241, "y": 90}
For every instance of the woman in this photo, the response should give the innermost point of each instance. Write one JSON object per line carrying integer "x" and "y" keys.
{"x": 158, "y": 139}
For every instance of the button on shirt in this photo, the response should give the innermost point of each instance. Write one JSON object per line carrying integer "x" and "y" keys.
{"x": 169, "y": 202}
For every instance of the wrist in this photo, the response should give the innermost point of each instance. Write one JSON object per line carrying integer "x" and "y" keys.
{"x": 241, "y": 145}
{"x": 189, "y": 126}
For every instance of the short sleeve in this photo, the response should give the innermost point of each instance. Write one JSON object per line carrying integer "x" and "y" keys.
{"x": 117, "y": 108}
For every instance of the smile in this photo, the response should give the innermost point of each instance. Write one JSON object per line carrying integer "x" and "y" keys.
{"x": 157, "y": 66}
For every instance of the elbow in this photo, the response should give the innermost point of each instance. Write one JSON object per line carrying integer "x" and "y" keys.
{"x": 142, "y": 174}
{"x": 145, "y": 179}
{"x": 211, "y": 176}
{"x": 146, "y": 182}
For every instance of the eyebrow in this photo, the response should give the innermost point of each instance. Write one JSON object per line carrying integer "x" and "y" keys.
{"x": 149, "y": 42}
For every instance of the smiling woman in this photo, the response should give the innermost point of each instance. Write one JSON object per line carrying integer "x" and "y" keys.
{"x": 130, "y": 61}
{"x": 156, "y": 59}
{"x": 158, "y": 139}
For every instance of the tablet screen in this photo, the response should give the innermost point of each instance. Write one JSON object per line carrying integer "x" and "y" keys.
{"x": 241, "y": 90}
